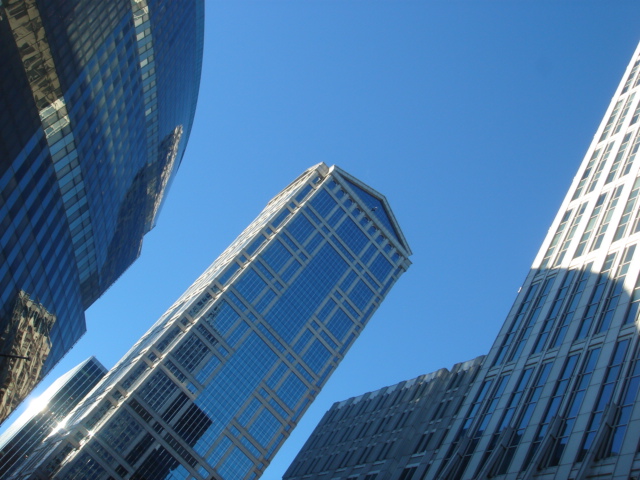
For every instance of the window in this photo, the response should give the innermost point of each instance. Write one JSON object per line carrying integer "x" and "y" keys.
{"x": 616, "y": 290}
{"x": 556, "y": 239}
{"x": 628, "y": 209}
{"x": 591, "y": 224}
{"x": 524, "y": 418}
{"x": 604, "y": 398}
{"x": 526, "y": 331}
{"x": 570, "y": 233}
{"x": 600, "y": 167}
{"x": 613, "y": 202}
{"x": 573, "y": 407}
{"x": 612, "y": 117}
{"x": 408, "y": 473}
{"x": 618, "y": 159}
{"x": 626, "y": 404}
{"x": 596, "y": 296}
{"x": 516, "y": 322}
{"x": 572, "y": 305}
{"x": 554, "y": 312}
{"x": 585, "y": 174}
{"x": 634, "y": 150}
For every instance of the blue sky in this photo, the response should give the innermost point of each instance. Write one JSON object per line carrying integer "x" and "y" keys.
{"x": 471, "y": 117}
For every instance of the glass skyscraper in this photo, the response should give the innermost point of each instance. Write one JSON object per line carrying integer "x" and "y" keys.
{"x": 46, "y": 411}
{"x": 218, "y": 383}
{"x": 96, "y": 105}
{"x": 557, "y": 394}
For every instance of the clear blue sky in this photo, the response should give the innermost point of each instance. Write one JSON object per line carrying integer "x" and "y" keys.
{"x": 471, "y": 117}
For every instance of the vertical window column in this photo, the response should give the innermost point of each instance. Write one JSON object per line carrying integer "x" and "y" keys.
{"x": 556, "y": 239}
{"x": 604, "y": 398}
{"x": 596, "y": 297}
{"x": 570, "y": 309}
{"x": 533, "y": 318}
{"x": 553, "y": 406}
{"x": 590, "y": 225}
{"x": 515, "y": 324}
{"x": 628, "y": 209}
{"x": 616, "y": 290}
{"x": 573, "y": 408}
{"x": 613, "y": 202}
{"x": 627, "y": 402}
{"x": 554, "y": 312}
{"x": 570, "y": 233}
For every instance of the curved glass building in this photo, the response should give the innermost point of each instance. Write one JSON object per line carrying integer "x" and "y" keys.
{"x": 97, "y": 100}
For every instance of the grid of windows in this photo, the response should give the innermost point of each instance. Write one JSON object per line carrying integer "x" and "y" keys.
{"x": 259, "y": 367}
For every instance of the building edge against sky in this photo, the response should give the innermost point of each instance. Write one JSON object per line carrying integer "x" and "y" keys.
{"x": 97, "y": 100}
{"x": 557, "y": 395}
{"x": 219, "y": 381}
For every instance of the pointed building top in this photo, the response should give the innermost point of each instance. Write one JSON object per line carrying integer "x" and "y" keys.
{"x": 378, "y": 207}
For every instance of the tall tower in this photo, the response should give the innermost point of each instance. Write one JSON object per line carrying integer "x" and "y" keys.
{"x": 557, "y": 395}
{"x": 218, "y": 383}
{"x": 96, "y": 105}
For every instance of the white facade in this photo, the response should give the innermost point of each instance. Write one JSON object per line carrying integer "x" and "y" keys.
{"x": 557, "y": 395}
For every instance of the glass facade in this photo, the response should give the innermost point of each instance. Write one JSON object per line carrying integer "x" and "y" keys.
{"x": 557, "y": 395}
{"x": 96, "y": 105}
{"x": 46, "y": 411}
{"x": 219, "y": 381}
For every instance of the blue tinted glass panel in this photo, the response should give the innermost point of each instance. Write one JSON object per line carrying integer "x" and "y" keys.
{"x": 375, "y": 208}
{"x": 351, "y": 234}
{"x": 381, "y": 267}
{"x": 237, "y": 465}
{"x": 300, "y": 229}
{"x": 276, "y": 256}
{"x": 292, "y": 311}
{"x": 265, "y": 427}
{"x": 292, "y": 390}
{"x": 303, "y": 193}
{"x": 302, "y": 341}
{"x": 326, "y": 309}
{"x": 222, "y": 318}
{"x": 224, "y": 278}
{"x": 323, "y": 203}
{"x": 250, "y": 286}
{"x": 248, "y": 413}
{"x": 290, "y": 271}
{"x": 222, "y": 399}
{"x": 317, "y": 356}
{"x": 361, "y": 295}
{"x": 339, "y": 324}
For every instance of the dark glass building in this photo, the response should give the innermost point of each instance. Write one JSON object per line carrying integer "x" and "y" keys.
{"x": 46, "y": 412}
{"x": 389, "y": 430}
{"x": 96, "y": 105}
{"x": 215, "y": 387}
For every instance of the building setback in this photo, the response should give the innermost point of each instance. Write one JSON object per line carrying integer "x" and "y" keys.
{"x": 557, "y": 394}
{"x": 47, "y": 411}
{"x": 96, "y": 105}
{"x": 390, "y": 429}
{"x": 217, "y": 384}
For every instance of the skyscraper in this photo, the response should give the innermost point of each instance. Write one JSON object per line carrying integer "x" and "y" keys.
{"x": 557, "y": 395}
{"x": 96, "y": 105}
{"x": 218, "y": 383}
{"x": 50, "y": 408}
